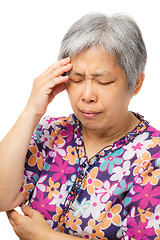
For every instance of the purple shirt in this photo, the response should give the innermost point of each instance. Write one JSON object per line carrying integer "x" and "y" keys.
{"x": 113, "y": 195}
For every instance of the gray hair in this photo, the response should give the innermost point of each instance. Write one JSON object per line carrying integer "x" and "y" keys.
{"x": 118, "y": 34}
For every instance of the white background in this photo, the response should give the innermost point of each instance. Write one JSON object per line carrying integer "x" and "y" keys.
{"x": 30, "y": 36}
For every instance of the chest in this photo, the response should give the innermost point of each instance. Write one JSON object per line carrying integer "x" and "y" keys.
{"x": 80, "y": 196}
{"x": 97, "y": 197}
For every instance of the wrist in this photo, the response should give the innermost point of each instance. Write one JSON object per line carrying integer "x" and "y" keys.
{"x": 30, "y": 114}
{"x": 30, "y": 119}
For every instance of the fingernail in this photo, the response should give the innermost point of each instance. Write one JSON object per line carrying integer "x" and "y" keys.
{"x": 23, "y": 206}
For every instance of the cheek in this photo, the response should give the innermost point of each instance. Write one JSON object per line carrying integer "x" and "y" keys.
{"x": 123, "y": 100}
{"x": 116, "y": 98}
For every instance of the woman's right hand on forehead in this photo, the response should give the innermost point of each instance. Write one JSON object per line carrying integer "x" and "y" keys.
{"x": 47, "y": 86}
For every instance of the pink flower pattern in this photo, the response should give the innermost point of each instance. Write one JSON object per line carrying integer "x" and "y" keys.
{"x": 60, "y": 170}
{"x": 139, "y": 231}
{"x": 146, "y": 195}
{"x": 42, "y": 205}
{"x": 138, "y": 201}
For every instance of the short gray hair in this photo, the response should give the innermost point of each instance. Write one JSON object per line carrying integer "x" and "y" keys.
{"x": 118, "y": 34}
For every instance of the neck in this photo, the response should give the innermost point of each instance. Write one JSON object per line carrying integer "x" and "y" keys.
{"x": 95, "y": 140}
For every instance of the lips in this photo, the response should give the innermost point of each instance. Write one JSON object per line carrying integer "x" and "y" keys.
{"x": 89, "y": 114}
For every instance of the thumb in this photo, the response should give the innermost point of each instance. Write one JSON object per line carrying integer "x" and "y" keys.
{"x": 28, "y": 211}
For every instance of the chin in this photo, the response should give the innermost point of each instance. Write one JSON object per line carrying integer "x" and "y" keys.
{"x": 91, "y": 125}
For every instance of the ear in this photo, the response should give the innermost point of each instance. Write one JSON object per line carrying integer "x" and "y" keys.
{"x": 139, "y": 83}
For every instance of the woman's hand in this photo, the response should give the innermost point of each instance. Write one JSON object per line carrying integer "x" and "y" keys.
{"x": 47, "y": 86}
{"x": 31, "y": 226}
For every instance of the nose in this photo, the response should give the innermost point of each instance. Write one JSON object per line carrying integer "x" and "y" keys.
{"x": 89, "y": 94}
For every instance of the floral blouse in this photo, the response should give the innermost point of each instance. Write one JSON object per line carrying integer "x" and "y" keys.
{"x": 113, "y": 195}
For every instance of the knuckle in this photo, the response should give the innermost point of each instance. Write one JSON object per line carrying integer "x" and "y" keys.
{"x": 62, "y": 61}
{"x": 36, "y": 80}
{"x": 18, "y": 221}
{"x": 36, "y": 83}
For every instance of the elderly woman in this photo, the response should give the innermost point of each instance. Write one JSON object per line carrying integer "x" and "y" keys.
{"x": 94, "y": 174}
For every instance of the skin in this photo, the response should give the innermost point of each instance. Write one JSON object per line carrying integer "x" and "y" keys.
{"x": 32, "y": 225}
{"x": 45, "y": 88}
{"x": 98, "y": 92}
{"x": 99, "y": 96}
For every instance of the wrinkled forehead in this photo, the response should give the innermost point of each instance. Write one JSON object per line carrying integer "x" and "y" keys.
{"x": 95, "y": 62}
{"x": 97, "y": 74}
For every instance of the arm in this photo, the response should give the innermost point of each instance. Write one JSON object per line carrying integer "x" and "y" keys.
{"x": 33, "y": 226}
{"x": 14, "y": 146}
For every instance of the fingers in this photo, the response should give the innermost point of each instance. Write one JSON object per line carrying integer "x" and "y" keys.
{"x": 53, "y": 75}
{"x": 52, "y": 80}
{"x": 47, "y": 86}
{"x": 57, "y": 69}
{"x": 28, "y": 211}
{"x": 63, "y": 69}
{"x": 12, "y": 216}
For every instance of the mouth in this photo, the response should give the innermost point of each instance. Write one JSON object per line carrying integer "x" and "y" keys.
{"x": 89, "y": 114}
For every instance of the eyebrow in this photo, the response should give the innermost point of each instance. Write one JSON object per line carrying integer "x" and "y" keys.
{"x": 78, "y": 74}
{"x": 94, "y": 75}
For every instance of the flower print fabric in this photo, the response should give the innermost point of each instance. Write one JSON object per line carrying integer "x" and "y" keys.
{"x": 113, "y": 195}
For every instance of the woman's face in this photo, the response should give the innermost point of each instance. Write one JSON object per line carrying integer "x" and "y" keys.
{"x": 98, "y": 90}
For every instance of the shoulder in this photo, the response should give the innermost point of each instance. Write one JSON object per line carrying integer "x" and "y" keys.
{"x": 154, "y": 144}
{"x": 154, "y": 139}
{"x": 49, "y": 125}
{"x": 52, "y": 123}
{"x": 145, "y": 145}
{"x": 153, "y": 132}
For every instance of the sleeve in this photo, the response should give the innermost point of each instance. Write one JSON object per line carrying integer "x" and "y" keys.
{"x": 142, "y": 206}
{"x": 36, "y": 156}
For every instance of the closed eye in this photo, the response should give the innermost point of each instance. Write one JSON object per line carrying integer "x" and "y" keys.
{"x": 105, "y": 83}
{"x": 75, "y": 80}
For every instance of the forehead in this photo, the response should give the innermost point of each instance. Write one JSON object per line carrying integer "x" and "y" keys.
{"x": 95, "y": 62}
{"x": 96, "y": 74}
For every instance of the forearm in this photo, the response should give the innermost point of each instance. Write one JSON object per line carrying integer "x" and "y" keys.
{"x": 13, "y": 149}
{"x": 61, "y": 236}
